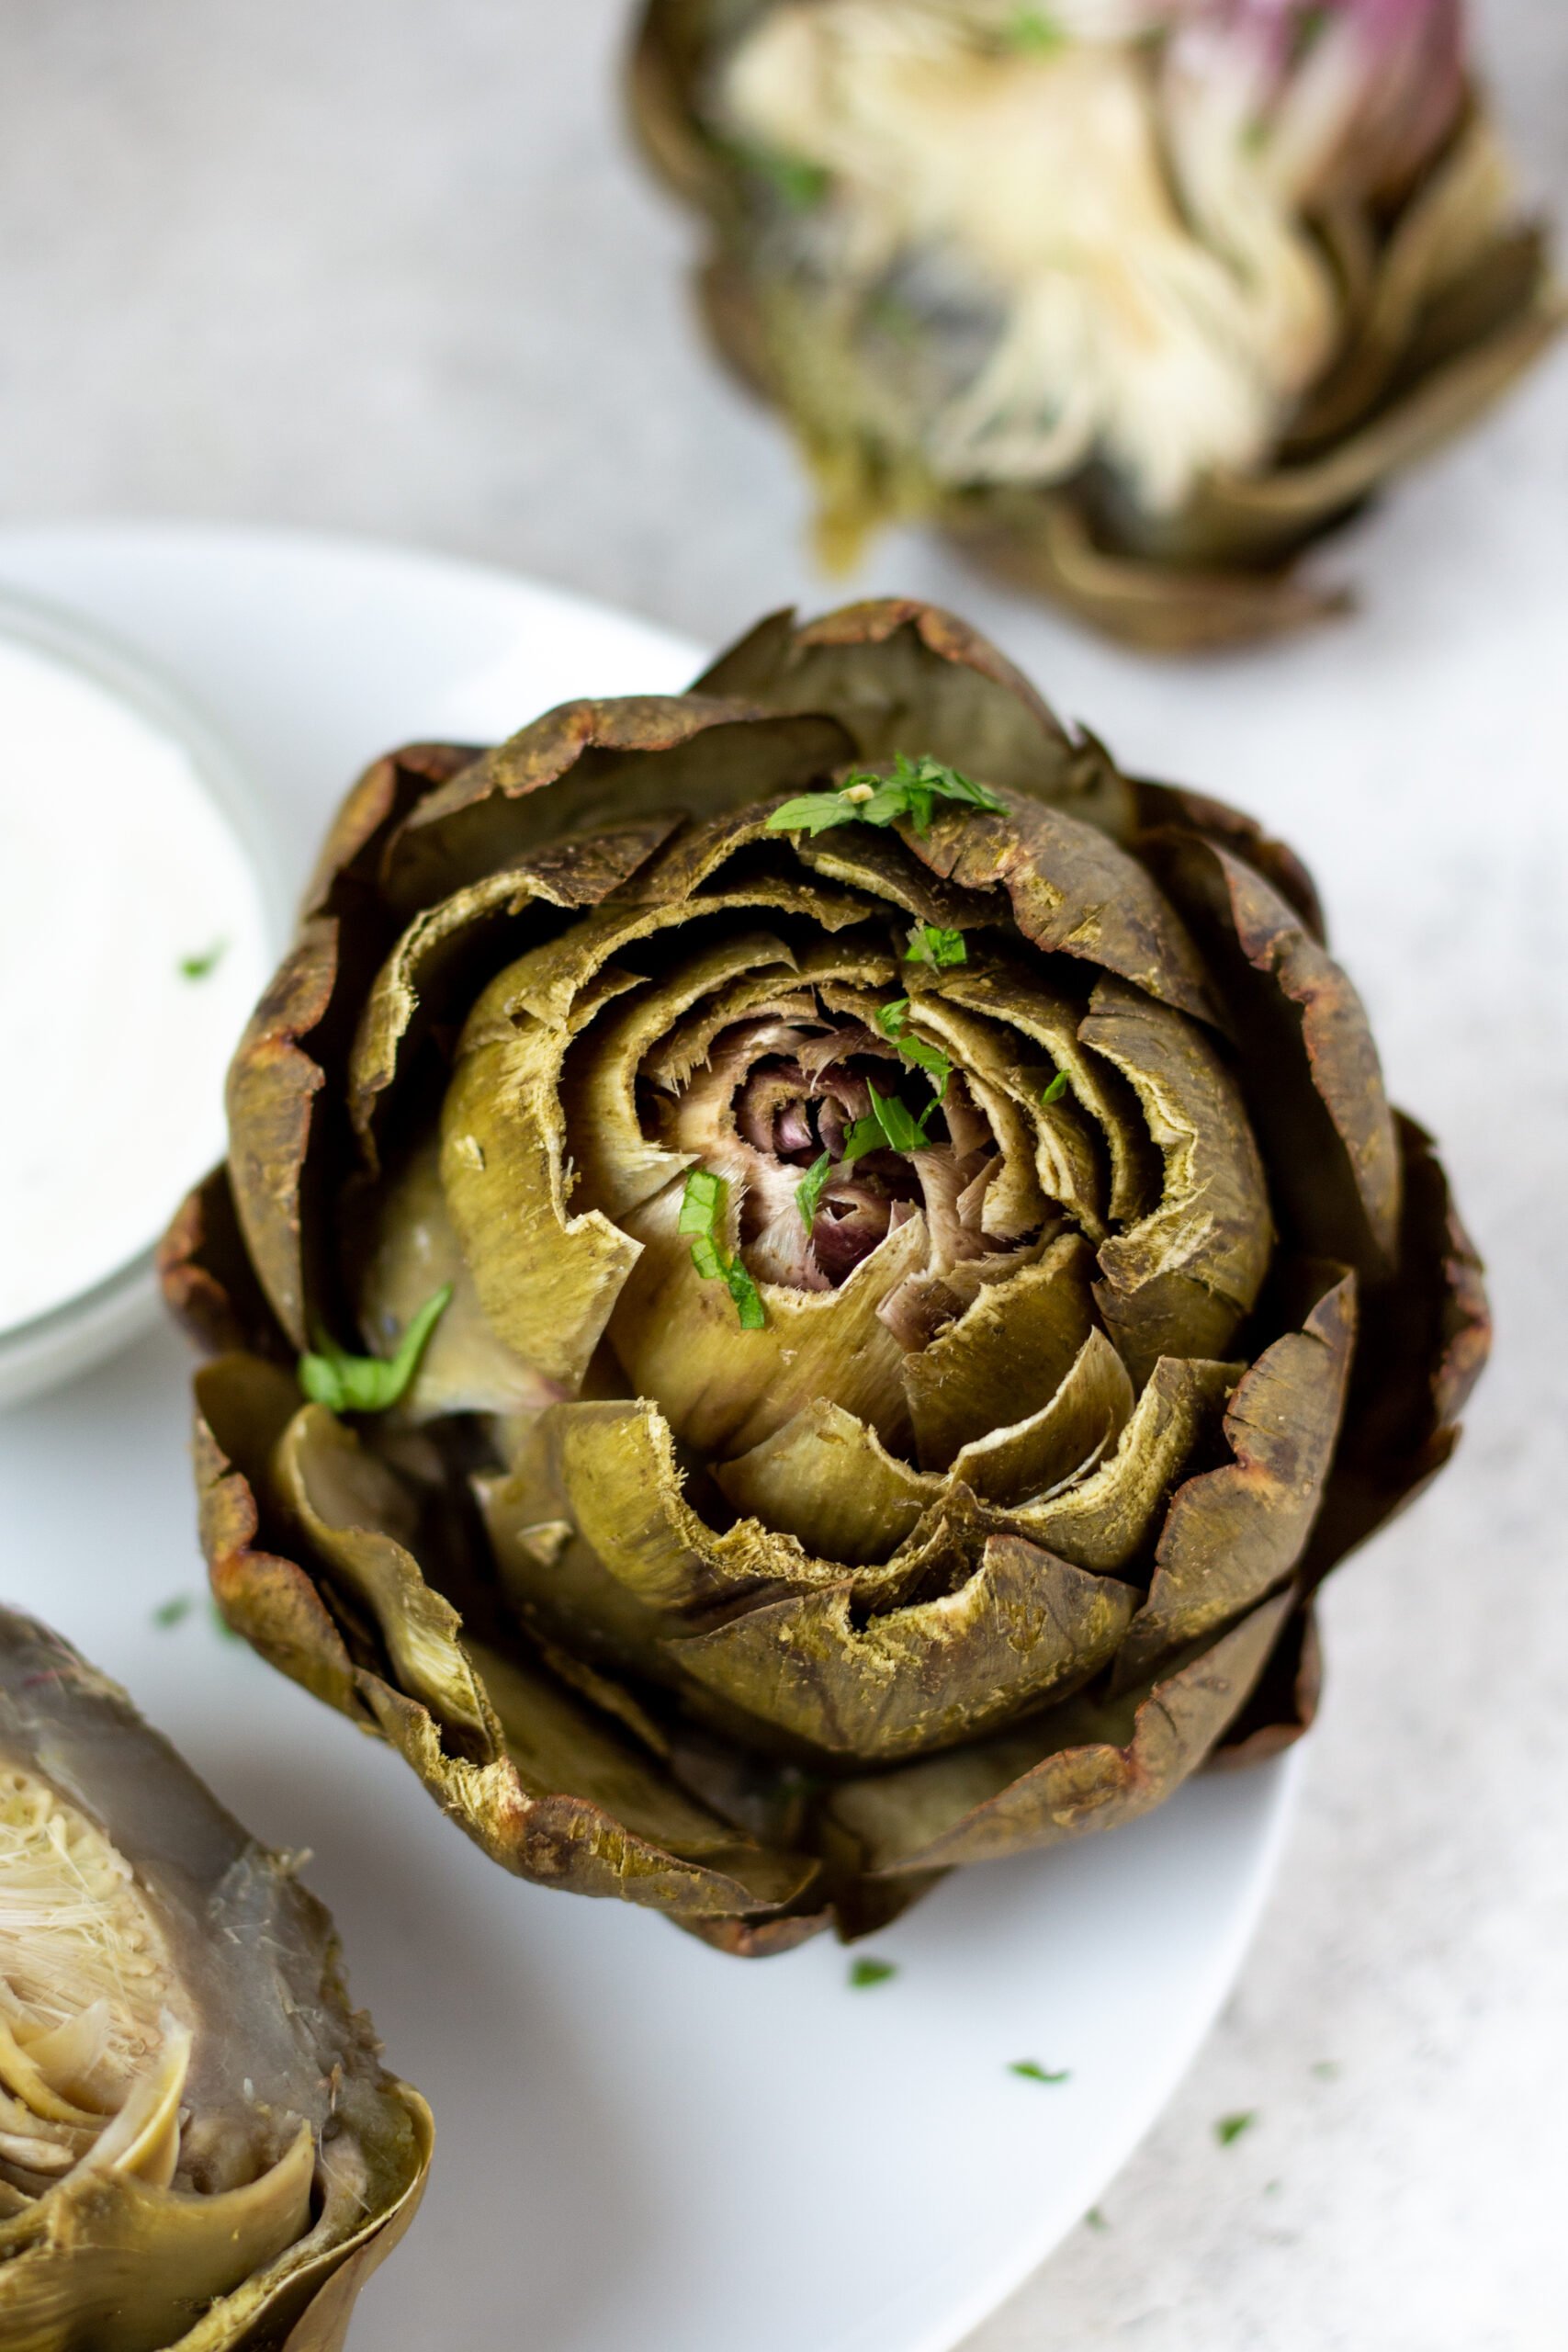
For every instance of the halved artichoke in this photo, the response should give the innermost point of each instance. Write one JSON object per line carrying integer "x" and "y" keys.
{"x": 198, "y": 2147}
{"x": 887, "y": 1270}
{"x": 1135, "y": 298}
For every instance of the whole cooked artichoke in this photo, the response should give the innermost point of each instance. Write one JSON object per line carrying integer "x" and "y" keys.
{"x": 885, "y": 1272}
{"x": 1136, "y": 298}
{"x": 197, "y": 2148}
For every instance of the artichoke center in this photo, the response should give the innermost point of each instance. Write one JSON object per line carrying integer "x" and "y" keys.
{"x": 91, "y": 2003}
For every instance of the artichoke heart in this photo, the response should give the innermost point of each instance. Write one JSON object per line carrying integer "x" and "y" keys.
{"x": 1134, "y": 298}
{"x": 195, "y": 2135}
{"x": 832, "y": 1328}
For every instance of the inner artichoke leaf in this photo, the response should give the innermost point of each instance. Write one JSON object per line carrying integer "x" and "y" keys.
{"x": 1182, "y": 1280}
{"x": 1084, "y": 1765}
{"x": 1010, "y": 994}
{"x": 1024, "y": 1628}
{"x": 122, "y": 2265}
{"x": 408, "y": 1249}
{"x": 827, "y": 1480}
{"x": 878, "y": 863}
{"x": 359, "y": 1521}
{"x": 626, "y": 1827}
{"x": 602, "y": 763}
{"x": 724, "y": 1390}
{"x": 672, "y": 1062}
{"x": 993, "y": 1073}
{"x": 609, "y": 1472}
{"x": 439, "y": 963}
{"x": 1235, "y": 1534}
{"x": 1103, "y": 1521}
{"x": 617, "y": 1166}
{"x": 1073, "y": 891}
{"x": 1066, "y": 1438}
{"x": 1010, "y": 1347}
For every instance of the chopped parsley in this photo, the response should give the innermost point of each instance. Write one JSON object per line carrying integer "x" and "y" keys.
{"x": 868, "y": 797}
{"x": 196, "y": 968}
{"x": 701, "y": 1221}
{"x": 348, "y": 1384}
{"x": 1033, "y": 30}
{"x": 1096, "y": 2218}
{"x": 928, "y": 943}
{"x": 1058, "y": 1088}
{"x": 1229, "y": 2128}
{"x": 808, "y": 1193}
{"x": 799, "y": 184}
{"x": 893, "y": 1020}
{"x": 864, "y": 1974}
{"x": 1034, "y": 2072}
{"x": 890, "y": 1127}
{"x": 173, "y": 1612}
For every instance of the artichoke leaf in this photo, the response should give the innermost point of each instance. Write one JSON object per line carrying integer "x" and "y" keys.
{"x": 1022, "y": 1628}
{"x": 1235, "y": 1534}
{"x": 827, "y": 1480}
{"x": 1062, "y": 1439}
{"x": 358, "y": 1519}
{"x": 1013, "y": 1344}
{"x": 816, "y": 964}
{"x": 724, "y": 1390}
{"x": 273, "y": 1084}
{"x": 878, "y": 863}
{"x": 411, "y": 1251}
{"x": 1182, "y": 1280}
{"x": 1103, "y": 1521}
{"x": 588, "y": 764}
{"x": 1074, "y": 892}
{"x": 990, "y": 1062}
{"x": 1079, "y": 1766}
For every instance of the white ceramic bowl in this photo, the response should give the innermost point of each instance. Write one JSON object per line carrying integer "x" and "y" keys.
{"x": 90, "y": 1322}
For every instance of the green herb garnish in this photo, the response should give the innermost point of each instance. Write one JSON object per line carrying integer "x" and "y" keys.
{"x": 893, "y": 1020}
{"x": 1230, "y": 2128}
{"x": 890, "y": 1127}
{"x": 867, "y": 798}
{"x": 347, "y": 1384}
{"x": 1033, "y": 30}
{"x": 928, "y": 943}
{"x": 1326, "y": 2070}
{"x": 702, "y": 1220}
{"x": 173, "y": 1612}
{"x": 196, "y": 968}
{"x": 1034, "y": 2072}
{"x": 1058, "y": 1088}
{"x": 808, "y": 1193}
{"x": 864, "y": 1974}
{"x": 1096, "y": 2218}
{"x": 800, "y": 184}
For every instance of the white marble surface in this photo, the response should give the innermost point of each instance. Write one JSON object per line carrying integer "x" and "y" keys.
{"x": 380, "y": 266}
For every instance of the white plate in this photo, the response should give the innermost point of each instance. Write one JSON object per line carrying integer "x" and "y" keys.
{"x": 643, "y": 2146}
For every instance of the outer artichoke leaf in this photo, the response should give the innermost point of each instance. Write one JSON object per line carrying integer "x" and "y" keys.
{"x": 620, "y": 762}
{"x": 878, "y": 863}
{"x": 827, "y": 1480}
{"x": 1084, "y": 1420}
{"x": 617, "y": 1167}
{"x": 1081, "y": 1766}
{"x": 1182, "y": 1280}
{"x": 724, "y": 1390}
{"x": 411, "y": 1251}
{"x": 909, "y": 677}
{"x": 1023, "y": 1628}
{"x": 209, "y": 1282}
{"x": 343, "y": 880}
{"x": 1284, "y": 1701}
{"x": 273, "y": 1084}
{"x": 359, "y": 1521}
{"x": 1013, "y": 1345}
{"x": 1074, "y": 892}
{"x": 621, "y": 1824}
{"x": 1103, "y": 1521}
{"x": 1314, "y": 1082}
{"x": 1235, "y": 1534}
{"x": 439, "y": 963}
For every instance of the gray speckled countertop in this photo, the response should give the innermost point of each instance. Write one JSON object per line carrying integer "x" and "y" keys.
{"x": 386, "y": 267}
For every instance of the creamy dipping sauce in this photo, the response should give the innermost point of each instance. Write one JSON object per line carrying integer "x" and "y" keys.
{"x": 133, "y": 941}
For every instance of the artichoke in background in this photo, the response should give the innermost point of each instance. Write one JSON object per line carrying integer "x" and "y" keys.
{"x": 198, "y": 2147}
{"x": 850, "y": 1272}
{"x": 1135, "y": 298}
